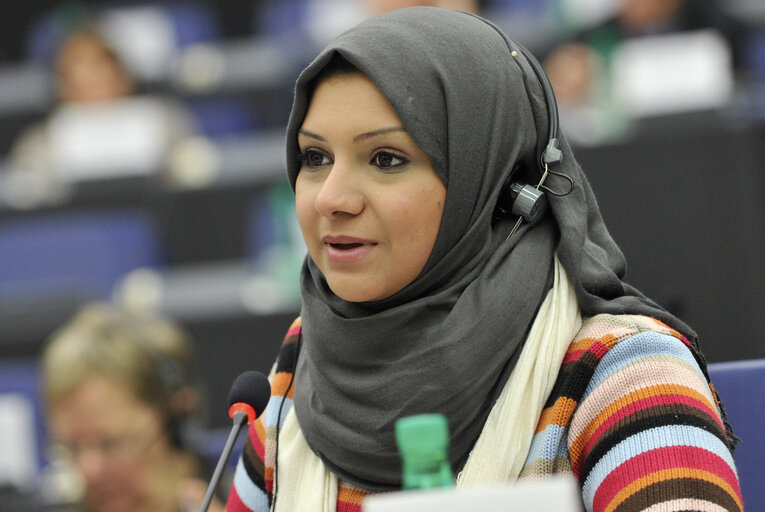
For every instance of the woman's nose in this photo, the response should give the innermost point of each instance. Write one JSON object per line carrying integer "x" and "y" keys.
{"x": 340, "y": 193}
{"x": 91, "y": 464}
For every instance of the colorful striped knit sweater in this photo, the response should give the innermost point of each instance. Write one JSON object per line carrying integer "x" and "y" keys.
{"x": 631, "y": 415}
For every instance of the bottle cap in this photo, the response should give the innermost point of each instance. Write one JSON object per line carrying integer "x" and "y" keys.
{"x": 422, "y": 435}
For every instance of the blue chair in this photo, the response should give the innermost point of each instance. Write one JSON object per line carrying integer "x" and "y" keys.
{"x": 528, "y": 7}
{"x": 280, "y": 18}
{"x": 755, "y": 54}
{"x": 221, "y": 117}
{"x": 74, "y": 254}
{"x": 741, "y": 387}
{"x": 194, "y": 21}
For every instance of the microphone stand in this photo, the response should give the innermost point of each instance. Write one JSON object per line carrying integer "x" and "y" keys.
{"x": 239, "y": 420}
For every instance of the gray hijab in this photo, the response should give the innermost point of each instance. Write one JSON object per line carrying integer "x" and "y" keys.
{"x": 448, "y": 341}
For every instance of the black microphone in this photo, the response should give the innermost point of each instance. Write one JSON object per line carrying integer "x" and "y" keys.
{"x": 247, "y": 400}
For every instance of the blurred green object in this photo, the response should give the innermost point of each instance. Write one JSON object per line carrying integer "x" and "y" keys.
{"x": 423, "y": 442}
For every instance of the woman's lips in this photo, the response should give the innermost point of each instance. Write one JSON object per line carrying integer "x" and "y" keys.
{"x": 346, "y": 248}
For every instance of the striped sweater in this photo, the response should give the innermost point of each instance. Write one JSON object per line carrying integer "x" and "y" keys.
{"x": 631, "y": 416}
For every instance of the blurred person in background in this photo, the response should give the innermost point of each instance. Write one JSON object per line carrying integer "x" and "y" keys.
{"x": 317, "y": 22}
{"x": 89, "y": 70}
{"x": 96, "y": 100}
{"x": 379, "y": 6}
{"x": 123, "y": 409}
{"x": 581, "y": 69}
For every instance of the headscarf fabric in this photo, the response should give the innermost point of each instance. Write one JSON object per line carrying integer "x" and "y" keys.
{"x": 448, "y": 341}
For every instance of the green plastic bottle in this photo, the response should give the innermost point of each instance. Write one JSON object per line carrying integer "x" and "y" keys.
{"x": 423, "y": 442}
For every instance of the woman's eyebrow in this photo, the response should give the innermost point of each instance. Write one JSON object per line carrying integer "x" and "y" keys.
{"x": 311, "y": 134}
{"x": 375, "y": 133}
{"x": 358, "y": 138}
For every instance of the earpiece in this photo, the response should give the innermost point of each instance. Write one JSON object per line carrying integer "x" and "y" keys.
{"x": 529, "y": 202}
{"x": 173, "y": 378}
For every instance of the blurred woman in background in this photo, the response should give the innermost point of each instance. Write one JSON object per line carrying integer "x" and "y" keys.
{"x": 101, "y": 125}
{"x": 122, "y": 405}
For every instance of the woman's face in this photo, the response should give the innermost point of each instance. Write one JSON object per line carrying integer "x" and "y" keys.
{"x": 87, "y": 72}
{"x": 368, "y": 200}
{"x": 119, "y": 445}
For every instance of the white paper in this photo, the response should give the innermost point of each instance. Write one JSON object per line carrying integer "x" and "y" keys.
{"x": 18, "y": 453}
{"x": 559, "y": 494}
{"x": 673, "y": 73}
{"x": 120, "y": 138}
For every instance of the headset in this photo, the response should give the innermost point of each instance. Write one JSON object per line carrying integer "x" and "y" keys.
{"x": 529, "y": 202}
{"x": 174, "y": 378}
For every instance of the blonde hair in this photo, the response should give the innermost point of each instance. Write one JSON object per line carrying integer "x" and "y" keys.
{"x": 150, "y": 355}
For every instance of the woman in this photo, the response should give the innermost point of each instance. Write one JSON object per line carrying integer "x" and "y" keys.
{"x": 420, "y": 295}
{"x": 121, "y": 403}
{"x": 96, "y": 98}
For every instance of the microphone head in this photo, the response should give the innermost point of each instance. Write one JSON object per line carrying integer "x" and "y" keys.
{"x": 250, "y": 388}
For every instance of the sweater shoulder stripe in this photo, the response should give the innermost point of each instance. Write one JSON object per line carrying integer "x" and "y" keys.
{"x": 641, "y": 404}
{"x": 646, "y": 442}
{"x": 598, "y": 335}
{"x": 685, "y": 425}
{"x": 681, "y": 463}
{"x": 653, "y": 379}
{"x": 646, "y": 347}
{"x": 681, "y": 495}
{"x": 647, "y": 408}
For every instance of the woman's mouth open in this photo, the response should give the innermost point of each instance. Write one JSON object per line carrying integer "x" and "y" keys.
{"x": 345, "y": 249}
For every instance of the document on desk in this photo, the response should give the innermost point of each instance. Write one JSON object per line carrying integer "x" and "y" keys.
{"x": 18, "y": 451}
{"x": 560, "y": 494}
{"x": 672, "y": 73}
{"x": 108, "y": 140}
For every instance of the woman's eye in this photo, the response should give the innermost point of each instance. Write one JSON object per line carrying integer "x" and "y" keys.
{"x": 313, "y": 158}
{"x": 387, "y": 160}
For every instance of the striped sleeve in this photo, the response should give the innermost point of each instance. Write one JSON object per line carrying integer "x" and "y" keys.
{"x": 254, "y": 475}
{"x": 647, "y": 434}
{"x": 350, "y": 497}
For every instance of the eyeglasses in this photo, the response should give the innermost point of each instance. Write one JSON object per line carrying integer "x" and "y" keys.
{"x": 116, "y": 447}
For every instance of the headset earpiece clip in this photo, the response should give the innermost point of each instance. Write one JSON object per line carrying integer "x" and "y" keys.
{"x": 551, "y": 154}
